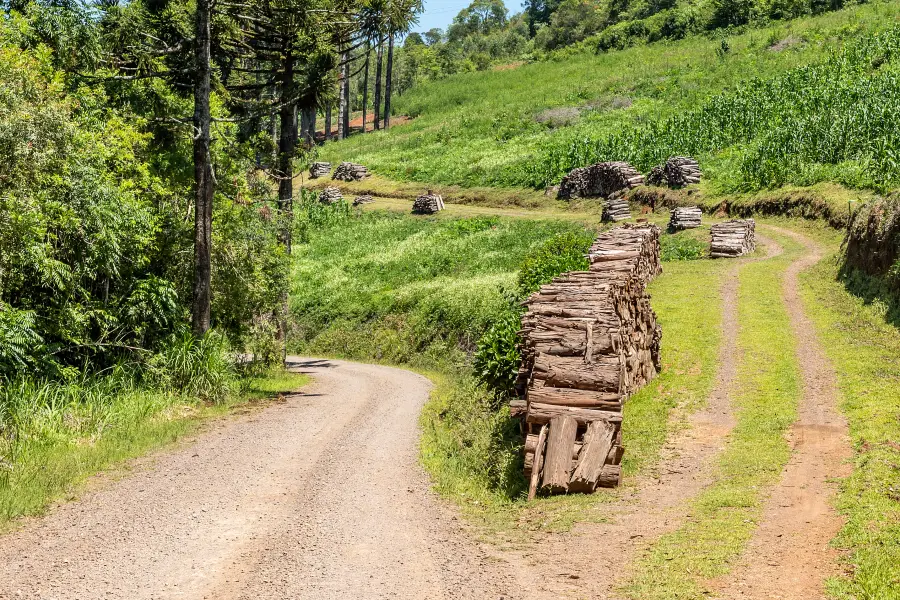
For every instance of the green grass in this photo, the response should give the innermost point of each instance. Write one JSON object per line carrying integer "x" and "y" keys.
{"x": 865, "y": 351}
{"x": 724, "y": 515}
{"x": 481, "y": 129}
{"x": 59, "y": 445}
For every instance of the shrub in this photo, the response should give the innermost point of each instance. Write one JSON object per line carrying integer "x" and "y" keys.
{"x": 564, "y": 252}
{"x": 681, "y": 247}
{"x": 497, "y": 358}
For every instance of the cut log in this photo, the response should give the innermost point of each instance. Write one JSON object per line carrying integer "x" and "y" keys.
{"x": 348, "y": 171}
{"x": 601, "y": 180}
{"x": 319, "y": 169}
{"x": 558, "y": 458}
{"x": 685, "y": 217}
{"x": 428, "y": 204}
{"x": 330, "y": 195}
{"x": 538, "y": 459}
{"x": 598, "y": 441}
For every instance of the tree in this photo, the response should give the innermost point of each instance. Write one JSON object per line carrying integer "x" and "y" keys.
{"x": 401, "y": 16}
{"x": 204, "y": 180}
{"x": 379, "y": 56}
{"x": 433, "y": 36}
{"x": 480, "y": 17}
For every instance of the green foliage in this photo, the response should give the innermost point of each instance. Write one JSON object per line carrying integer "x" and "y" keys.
{"x": 681, "y": 247}
{"x": 658, "y": 109}
{"x": 194, "y": 367}
{"x": 565, "y": 252}
{"x": 497, "y": 358}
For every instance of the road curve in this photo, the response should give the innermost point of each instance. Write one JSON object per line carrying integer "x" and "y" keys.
{"x": 317, "y": 497}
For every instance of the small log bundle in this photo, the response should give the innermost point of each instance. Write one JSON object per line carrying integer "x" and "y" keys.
{"x": 364, "y": 199}
{"x": 330, "y": 195}
{"x": 601, "y": 180}
{"x": 732, "y": 238}
{"x": 685, "y": 217}
{"x": 616, "y": 210}
{"x": 319, "y": 169}
{"x": 589, "y": 339}
{"x": 428, "y": 204}
{"x": 677, "y": 172}
{"x": 348, "y": 171}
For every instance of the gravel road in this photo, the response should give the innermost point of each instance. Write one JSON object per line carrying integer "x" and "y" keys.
{"x": 317, "y": 497}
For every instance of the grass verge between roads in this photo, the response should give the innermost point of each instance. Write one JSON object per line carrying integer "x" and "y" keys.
{"x": 865, "y": 351}
{"x": 768, "y": 388}
{"x": 92, "y": 427}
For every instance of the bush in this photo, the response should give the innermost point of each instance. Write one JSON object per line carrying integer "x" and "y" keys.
{"x": 195, "y": 367}
{"x": 565, "y": 252}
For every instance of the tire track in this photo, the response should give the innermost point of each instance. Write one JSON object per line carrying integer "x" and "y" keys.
{"x": 789, "y": 556}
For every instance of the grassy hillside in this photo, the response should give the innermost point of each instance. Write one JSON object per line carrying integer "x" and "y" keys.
{"x": 527, "y": 126}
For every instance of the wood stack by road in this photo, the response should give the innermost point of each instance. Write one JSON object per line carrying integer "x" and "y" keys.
{"x": 732, "y": 238}
{"x": 348, "y": 171}
{"x": 364, "y": 199}
{"x": 677, "y": 172}
{"x": 428, "y": 204}
{"x": 602, "y": 180}
{"x": 589, "y": 339}
{"x": 685, "y": 217}
{"x": 616, "y": 209}
{"x": 319, "y": 169}
{"x": 330, "y": 195}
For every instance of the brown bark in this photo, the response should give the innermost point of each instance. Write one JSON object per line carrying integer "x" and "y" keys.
{"x": 377, "y": 107}
{"x": 204, "y": 180}
{"x": 558, "y": 457}
{"x": 365, "y": 100}
{"x": 537, "y": 463}
{"x": 598, "y": 441}
{"x": 387, "y": 82}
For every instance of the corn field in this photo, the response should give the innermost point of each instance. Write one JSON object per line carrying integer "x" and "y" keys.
{"x": 835, "y": 120}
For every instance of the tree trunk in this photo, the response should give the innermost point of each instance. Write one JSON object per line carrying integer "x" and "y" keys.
{"x": 203, "y": 174}
{"x": 345, "y": 116}
{"x": 378, "y": 59}
{"x": 366, "y": 87}
{"x": 328, "y": 122}
{"x": 387, "y": 82}
{"x": 342, "y": 95}
{"x": 311, "y": 122}
{"x": 287, "y": 143}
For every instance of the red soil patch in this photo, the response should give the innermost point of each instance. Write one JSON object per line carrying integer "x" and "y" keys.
{"x": 356, "y": 125}
{"x": 508, "y": 67}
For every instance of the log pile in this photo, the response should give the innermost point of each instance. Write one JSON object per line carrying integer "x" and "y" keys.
{"x": 319, "y": 169}
{"x": 364, "y": 199}
{"x": 616, "y": 210}
{"x": 330, "y": 195}
{"x": 602, "y": 180}
{"x": 677, "y": 172}
{"x": 685, "y": 217}
{"x": 732, "y": 238}
{"x": 428, "y": 204}
{"x": 348, "y": 171}
{"x": 589, "y": 339}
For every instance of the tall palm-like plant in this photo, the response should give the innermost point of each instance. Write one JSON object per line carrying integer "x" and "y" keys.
{"x": 402, "y": 15}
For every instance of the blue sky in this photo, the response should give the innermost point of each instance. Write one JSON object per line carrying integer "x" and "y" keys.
{"x": 440, "y": 13}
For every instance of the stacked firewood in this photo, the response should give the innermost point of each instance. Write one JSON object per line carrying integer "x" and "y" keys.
{"x": 428, "y": 204}
{"x": 685, "y": 217}
{"x": 616, "y": 210}
{"x": 600, "y": 180}
{"x": 364, "y": 199}
{"x": 330, "y": 195}
{"x": 589, "y": 339}
{"x": 348, "y": 171}
{"x": 732, "y": 238}
{"x": 319, "y": 169}
{"x": 677, "y": 172}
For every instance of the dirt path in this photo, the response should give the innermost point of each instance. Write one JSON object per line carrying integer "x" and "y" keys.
{"x": 318, "y": 497}
{"x": 658, "y": 502}
{"x": 789, "y": 557}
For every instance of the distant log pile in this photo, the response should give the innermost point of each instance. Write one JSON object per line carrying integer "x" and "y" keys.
{"x": 677, "y": 172}
{"x": 348, "y": 171}
{"x": 589, "y": 340}
{"x": 364, "y": 199}
{"x": 428, "y": 204}
{"x": 685, "y": 217}
{"x": 319, "y": 169}
{"x": 330, "y": 195}
{"x": 733, "y": 238}
{"x": 616, "y": 210}
{"x": 603, "y": 180}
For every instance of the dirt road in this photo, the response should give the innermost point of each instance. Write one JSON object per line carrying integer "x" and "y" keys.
{"x": 317, "y": 497}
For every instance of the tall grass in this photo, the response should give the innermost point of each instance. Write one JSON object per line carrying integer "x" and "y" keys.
{"x": 53, "y": 433}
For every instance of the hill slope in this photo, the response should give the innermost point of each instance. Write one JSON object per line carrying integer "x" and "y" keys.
{"x": 527, "y": 126}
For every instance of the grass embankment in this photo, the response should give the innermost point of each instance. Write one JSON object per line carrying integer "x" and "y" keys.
{"x": 420, "y": 292}
{"x": 865, "y": 350}
{"x": 767, "y": 391}
{"x": 57, "y": 435}
{"x": 516, "y": 128}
